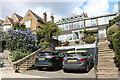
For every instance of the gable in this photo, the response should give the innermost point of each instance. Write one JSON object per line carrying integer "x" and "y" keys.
{"x": 7, "y": 21}
{"x": 14, "y": 18}
{"x": 28, "y": 16}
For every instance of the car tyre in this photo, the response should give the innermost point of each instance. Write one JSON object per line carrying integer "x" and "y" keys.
{"x": 87, "y": 68}
{"x": 39, "y": 68}
{"x": 65, "y": 70}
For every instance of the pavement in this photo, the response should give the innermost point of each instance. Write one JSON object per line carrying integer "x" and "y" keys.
{"x": 7, "y": 71}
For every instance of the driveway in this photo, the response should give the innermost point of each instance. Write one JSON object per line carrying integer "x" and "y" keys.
{"x": 61, "y": 74}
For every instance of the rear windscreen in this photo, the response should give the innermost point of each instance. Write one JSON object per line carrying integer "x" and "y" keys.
{"x": 45, "y": 54}
{"x": 75, "y": 54}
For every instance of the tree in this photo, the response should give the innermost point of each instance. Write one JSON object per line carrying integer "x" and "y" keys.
{"x": 19, "y": 26}
{"x": 48, "y": 31}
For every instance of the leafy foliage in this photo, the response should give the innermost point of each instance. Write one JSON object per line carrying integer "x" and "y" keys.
{"x": 20, "y": 42}
{"x": 113, "y": 35}
{"x": 19, "y": 26}
{"x": 45, "y": 43}
{"x": 19, "y": 54}
{"x": 90, "y": 39}
{"x": 21, "y": 39}
{"x": 116, "y": 44}
{"x": 48, "y": 30}
{"x": 111, "y": 30}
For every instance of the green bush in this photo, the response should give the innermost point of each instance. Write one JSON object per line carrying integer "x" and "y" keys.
{"x": 77, "y": 42}
{"x": 116, "y": 44}
{"x": 45, "y": 43}
{"x": 19, "y": 54}
{"x": 111, "y": 30}
{"x": 90, "y": 39}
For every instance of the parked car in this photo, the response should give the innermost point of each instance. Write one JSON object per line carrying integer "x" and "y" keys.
{"x": 77, "y": 60}
{"x": 49, "y": 59}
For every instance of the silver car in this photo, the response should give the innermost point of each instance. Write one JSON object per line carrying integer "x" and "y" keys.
{"x": 77, "y": 60}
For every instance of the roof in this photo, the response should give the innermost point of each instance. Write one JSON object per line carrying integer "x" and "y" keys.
{"x": 76, "y": 51}
{"x": 11, "y": 20}
{"x": 19, "y": 17}
{"x": 38, "y": 18}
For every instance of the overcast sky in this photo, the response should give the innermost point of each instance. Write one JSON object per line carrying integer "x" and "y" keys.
{"x": 59, "y": 9}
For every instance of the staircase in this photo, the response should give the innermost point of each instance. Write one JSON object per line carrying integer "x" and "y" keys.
{"x": 24, "y": 63}
{"x": 106, "y": 66}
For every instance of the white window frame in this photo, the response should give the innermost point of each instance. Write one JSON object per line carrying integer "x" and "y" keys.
{"x": 28, "y": 23}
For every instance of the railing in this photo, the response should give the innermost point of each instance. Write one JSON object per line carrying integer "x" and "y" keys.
{"x": 96, "y": 56}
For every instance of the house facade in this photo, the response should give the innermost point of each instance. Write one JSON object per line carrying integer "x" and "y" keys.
{"x": 31, "y": 20}
{"x": 74, "y": 26}
{"x": 9, "y": 22}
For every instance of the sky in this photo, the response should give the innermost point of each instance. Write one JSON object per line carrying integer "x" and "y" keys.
{"x": 59, "y": 9}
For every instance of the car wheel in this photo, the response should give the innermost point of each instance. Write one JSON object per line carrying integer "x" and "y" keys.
{"x": 87, "y": 68}
{"x": 39, "y": 68}
{"x": 56, "y": 68}
{"x": 65, "y": 70}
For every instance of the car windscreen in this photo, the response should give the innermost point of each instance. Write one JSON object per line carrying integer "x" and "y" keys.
{"x": 76, "y": 54}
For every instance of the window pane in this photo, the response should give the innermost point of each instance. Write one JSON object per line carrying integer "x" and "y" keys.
{"x": 28, "y": 23}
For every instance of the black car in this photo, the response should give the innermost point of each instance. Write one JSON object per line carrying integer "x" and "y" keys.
{"x": 49, "y": 59}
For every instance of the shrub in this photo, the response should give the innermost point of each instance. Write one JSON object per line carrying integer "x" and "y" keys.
{"x": 21, "y": 39}
{"x": 90, "y": 40}
{"x": 45, "y": 43}
{"x": 111, "y": 30}
{"x": 19, "y": 54}
{"x": 77, "y": 42}
{"x": 116, "y": 44}
{"x": 53, "y": 41}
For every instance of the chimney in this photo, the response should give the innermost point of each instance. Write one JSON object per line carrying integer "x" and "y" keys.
{"x": 52, "y": 18}
{"x": 45, "y": 17}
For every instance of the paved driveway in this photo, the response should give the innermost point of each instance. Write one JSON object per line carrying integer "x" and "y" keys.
{"x": 61, "y": 74}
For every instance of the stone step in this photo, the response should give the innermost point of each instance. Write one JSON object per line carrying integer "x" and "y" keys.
{"x": 101, "y": 51}
{"x": 108, "y": 70}
{"x": 107, "y": 76}
{"x": 105, "y": 63}
{"x": 107, "y": 55}
{"x": 105, "y": 60}
{"x": 104, "y": 57}
{"x": 108, "y": 66}
{"x": 106, "y": 73}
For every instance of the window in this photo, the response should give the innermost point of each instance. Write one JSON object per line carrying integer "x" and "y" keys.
{"x": 88, "y": 23}
{"x": 103, "y": 20}
{"x": 74, "y": 25}
{"x": 66, "y": 26}
{"x": 6, "y": 27}
{"x": 28, "y": 23}
{"x": 70, "y": 26}
{"x": 80, "y": 24}
{"x": 93, "y": 22}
